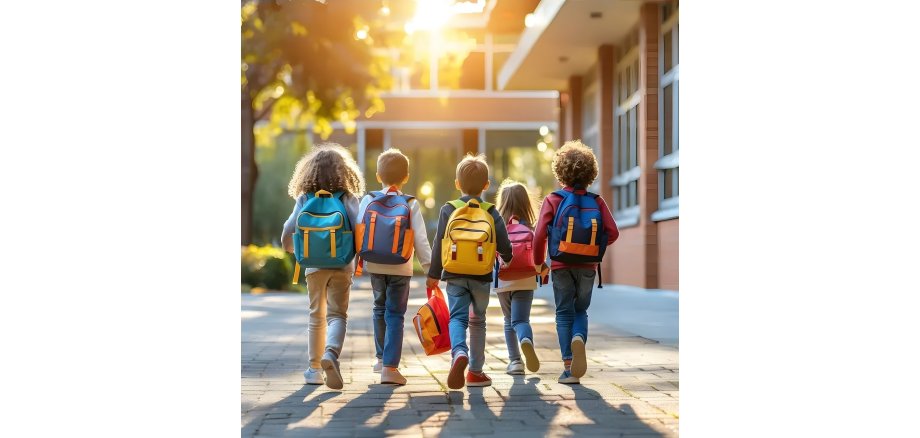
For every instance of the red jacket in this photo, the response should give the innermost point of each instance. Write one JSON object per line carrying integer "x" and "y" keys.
{"x": 545, "y": 220}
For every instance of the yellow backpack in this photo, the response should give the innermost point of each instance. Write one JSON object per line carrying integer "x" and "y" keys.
{"x": 468, "y": 246}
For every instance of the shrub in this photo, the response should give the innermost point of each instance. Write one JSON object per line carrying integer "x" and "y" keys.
{"x": 266, "y": 266}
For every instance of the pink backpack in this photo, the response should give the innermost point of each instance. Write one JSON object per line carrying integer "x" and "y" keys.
{"x": 521, "y": 265}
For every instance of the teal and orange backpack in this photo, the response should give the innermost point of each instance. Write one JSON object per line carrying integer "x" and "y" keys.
{"x": 324, "y": 237}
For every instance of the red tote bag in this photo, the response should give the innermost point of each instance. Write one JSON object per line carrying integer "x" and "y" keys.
{"x": 430, "y": 323}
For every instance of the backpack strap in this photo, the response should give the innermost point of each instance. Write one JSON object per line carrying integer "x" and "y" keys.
{"x": 486, "y": 205}
{"x": 456, "y": 203}
{"x": 296, "y": 272}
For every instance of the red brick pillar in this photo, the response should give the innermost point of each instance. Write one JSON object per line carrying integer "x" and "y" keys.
{"x": 573, "y": 112}
{"x": 606, "y": 63}
{"x": 648, "y": 137}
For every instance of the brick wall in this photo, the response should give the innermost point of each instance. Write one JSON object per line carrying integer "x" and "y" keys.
{"x": 668, "y": 260}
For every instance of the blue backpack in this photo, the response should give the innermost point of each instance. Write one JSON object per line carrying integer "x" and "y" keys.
{"x": 324, "y": 236}
{"x": 577, "y": 234}
{"x": 385, "y": 234}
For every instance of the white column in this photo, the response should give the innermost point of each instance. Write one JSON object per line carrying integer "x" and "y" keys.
{"x": 386, "y": 139}
{"x": 482, "y": 141}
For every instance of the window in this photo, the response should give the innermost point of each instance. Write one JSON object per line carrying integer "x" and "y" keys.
{"x": 590, "y": 117}
{"x": 626, "y": 173}
{"x": 668, "y": 163}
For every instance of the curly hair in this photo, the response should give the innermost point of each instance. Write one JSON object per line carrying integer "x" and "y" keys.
{"x": 329, "y": 167}
{"x": 574, "y": 164}
{"x": 513, "y": 199}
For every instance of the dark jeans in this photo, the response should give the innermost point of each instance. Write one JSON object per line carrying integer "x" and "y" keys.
{"x": 391, "y": 295}
{"x": 516, "y": 308}
{"x": 572, "y": 289}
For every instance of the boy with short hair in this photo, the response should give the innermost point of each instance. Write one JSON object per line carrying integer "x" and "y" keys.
{"x": 575, "y": 168}
{"x": 390, "y": 282}
{"x": 468, "y": 294}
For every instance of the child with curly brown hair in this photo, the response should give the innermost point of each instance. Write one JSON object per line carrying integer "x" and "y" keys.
{"x": 575, "y": 168}
{"x": 331, "y": 168}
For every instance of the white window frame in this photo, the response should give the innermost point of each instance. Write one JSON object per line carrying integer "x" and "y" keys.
{"x": 628, "y": 216}
{"x": 668, "y": 208}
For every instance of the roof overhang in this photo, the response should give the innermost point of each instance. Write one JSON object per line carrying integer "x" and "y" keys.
{"x": 563, "y": 41}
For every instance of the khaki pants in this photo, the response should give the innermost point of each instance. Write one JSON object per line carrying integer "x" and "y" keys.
{"x": 328, "y": 292}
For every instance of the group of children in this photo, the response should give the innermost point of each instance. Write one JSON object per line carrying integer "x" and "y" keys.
{"x": 573, "y": 224}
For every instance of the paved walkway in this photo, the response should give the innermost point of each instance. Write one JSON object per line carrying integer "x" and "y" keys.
{"x": 631, "y": 388}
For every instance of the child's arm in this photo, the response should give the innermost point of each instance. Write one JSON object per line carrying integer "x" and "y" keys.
{"x": 609, "y": 224}
{"x": 422, "y": 248}
{"x": 287, "y": 238}
{"x": 351, "y": 206}
{"x": 544, "y": 219}
{"x": 436, "y": 268}
{"x": 502, "y": 242}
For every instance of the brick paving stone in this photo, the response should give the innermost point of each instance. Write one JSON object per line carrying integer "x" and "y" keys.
{"x": 631, "y": 387}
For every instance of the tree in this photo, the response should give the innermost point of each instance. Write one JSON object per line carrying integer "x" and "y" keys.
{"x": 303, "y": 65}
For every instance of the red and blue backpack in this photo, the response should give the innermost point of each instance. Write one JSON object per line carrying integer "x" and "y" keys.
{"x": 577, "y": 234}
{"x": 385, "y": 234}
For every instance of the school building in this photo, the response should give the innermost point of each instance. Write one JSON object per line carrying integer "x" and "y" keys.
{"x": 532, "y": 75}
{"x": 615, "y": 64}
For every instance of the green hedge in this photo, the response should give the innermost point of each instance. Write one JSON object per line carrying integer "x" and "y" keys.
{"x": 267, "y": 267}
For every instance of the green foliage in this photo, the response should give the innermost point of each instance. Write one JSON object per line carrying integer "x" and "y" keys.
{"x": 266, "y": 266}
{"x": 271, "y": 203}
{"x": 302, "y": 61}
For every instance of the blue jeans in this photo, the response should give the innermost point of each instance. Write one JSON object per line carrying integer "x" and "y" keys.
{"x": 572, "y": 289}
{"x": 467, "y": 300}
{"x": 516, "y": 307}
{"x": 391, "y": 295}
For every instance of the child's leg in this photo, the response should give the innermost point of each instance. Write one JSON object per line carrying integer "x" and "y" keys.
{"x": 316, "y": 328}
{"x": 585, "y": 285}
{"x": 337, "y": 315}
{"x": 379, "y": 284}
{"x": 458, "y": 303}
{"x": 514, "y": 353}
{"x": 479, "y": 292}
{"x": 521, "y": 302}
{"x": 564, "y": 293}
{"x": 396, "y": 302}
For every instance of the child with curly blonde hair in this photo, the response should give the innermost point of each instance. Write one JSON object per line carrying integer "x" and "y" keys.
{"x": 328, "y": 167}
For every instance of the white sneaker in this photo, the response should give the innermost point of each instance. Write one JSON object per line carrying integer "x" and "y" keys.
{"x": 515, "y": 368}
{"x": 530, "y": 355}
{"x": 567, "y": 377}
{"x": 378, "y": 367}
{"x": 313, "y": 377}
{"x": 579, "y": 361}
{"x": 331, "y": 367}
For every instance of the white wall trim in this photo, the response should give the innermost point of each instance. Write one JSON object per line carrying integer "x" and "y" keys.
{"x": 544, "y": 13}
{"x": 452, "y": 124}
{"x": 462, "y": 94}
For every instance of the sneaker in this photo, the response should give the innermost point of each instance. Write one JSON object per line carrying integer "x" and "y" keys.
{"x": 392, "y": 375}
{"x": 378, "y": 367}
{"x": 455, "y": 377}
{"x": 477, "y": 379}
{"x": 515, "y": 368}
{"x": 331, "y": 366}
{"x": 313, "y": 377}
{"x": 567, "y": 377}
{"x": 579, "y": 361}
{"x": 530, "y": 355}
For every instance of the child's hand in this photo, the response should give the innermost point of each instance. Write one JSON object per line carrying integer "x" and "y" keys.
{"x": 431, "y": 283}
{"x": 544, "y": 270}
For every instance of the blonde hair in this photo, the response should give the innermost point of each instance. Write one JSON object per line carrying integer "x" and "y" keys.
{"x": 513, "y": 199}
{"x": 329, "y": 167}
{"x": 392, "y": 166}
{"x": 574, "y": 164}
{"x": 473, "y": 174}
